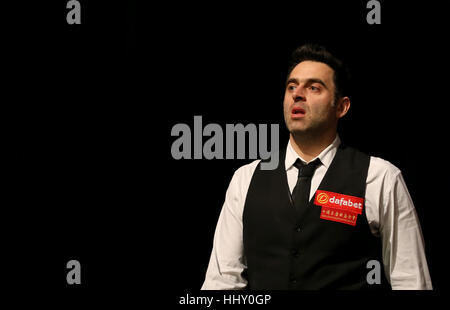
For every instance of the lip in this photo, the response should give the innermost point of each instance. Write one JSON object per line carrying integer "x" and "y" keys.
{"x": 297, "y": 113}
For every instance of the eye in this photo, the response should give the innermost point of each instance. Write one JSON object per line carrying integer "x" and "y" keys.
{"x": 291, "y": 87}
{"x": 314, "y": 88}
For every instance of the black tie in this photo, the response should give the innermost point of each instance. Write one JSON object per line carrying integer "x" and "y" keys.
{"x": 300, "y": 194}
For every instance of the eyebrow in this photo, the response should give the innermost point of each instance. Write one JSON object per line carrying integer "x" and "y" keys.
{"x": 307, "y": 81}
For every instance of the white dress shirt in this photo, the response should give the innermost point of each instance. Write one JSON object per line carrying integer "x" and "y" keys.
{"x": 389, "y": 209}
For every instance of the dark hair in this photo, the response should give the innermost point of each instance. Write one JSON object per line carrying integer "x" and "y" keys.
{"x": 318, "y": 53}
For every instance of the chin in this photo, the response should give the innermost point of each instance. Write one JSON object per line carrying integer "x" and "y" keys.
{"x": 295, "y": 126}
{"x": 297, "y": 131}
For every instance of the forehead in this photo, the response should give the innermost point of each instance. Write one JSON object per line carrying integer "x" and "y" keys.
{"x": 312, "y": 69}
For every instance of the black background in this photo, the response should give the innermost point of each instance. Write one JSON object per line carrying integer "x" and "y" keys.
{"x": 93, "y": 105}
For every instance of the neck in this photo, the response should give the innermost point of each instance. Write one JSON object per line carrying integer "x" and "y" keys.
{"x": 309, "y": 147}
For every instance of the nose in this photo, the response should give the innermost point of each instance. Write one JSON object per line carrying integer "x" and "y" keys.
{"x": 298, "y": 94}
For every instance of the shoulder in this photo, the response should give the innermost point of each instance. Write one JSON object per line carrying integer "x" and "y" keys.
{"x": 381, "y": 181}
{"x": 382, "y": 170}
{"x": 245, "y": 173}
{"x": 243, "y": 176}
{"x": 239, "y": 185}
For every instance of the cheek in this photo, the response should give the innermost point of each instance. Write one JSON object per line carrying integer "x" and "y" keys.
{"x": 286, "y": 104}
{"x": 322, "y": 109}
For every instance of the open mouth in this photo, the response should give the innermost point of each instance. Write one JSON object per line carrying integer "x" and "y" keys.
{"x": 297, "y": 112}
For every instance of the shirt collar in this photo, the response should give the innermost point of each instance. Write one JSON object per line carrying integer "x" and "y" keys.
{"x": 326, "y": 156}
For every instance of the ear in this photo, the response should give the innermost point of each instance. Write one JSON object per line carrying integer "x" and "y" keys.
{"x": 343, "y": 105}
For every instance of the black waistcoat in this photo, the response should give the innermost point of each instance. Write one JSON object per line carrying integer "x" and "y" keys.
{"x": 285, "y": 250}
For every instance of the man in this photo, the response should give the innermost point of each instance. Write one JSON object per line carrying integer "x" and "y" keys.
{"x": 329, "y": 217}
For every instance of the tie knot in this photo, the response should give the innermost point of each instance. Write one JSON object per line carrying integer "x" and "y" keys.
{"x": 306, "y": 170}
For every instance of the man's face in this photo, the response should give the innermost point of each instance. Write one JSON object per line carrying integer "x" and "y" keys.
{"x": 309, "y": 99}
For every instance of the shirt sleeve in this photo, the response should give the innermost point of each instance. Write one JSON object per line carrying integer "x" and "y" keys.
{"x": 227, "y": 261}
{"x": 403, "y": 245}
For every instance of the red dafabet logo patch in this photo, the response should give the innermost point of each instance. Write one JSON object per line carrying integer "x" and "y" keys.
{"x": 338, "y": 207}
